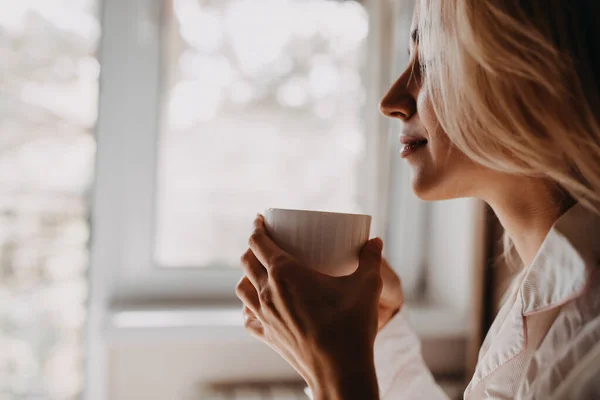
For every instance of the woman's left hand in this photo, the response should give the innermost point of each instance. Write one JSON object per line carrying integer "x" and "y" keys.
{"x": 323, "y": 326}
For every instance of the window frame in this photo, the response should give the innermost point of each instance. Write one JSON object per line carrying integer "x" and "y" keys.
{"x": 125, "y": 188}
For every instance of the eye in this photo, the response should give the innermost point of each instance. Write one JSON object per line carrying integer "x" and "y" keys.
{"x": 425, "y": 64}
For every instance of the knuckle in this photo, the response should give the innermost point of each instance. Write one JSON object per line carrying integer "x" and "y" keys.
{"x": 248, "y": 318}
{"x": 266, "y": 296}
{"x": 253, "y": 329}
{"x": 277, "y": 273}
{"x": 239, "y": 291}
{"x": 279, "y": 261}
{"x": 255, "y": 238}
{"x": 241, "y": 287}
{"x": 246, "y": 258}
{"x": 247, "y": 313}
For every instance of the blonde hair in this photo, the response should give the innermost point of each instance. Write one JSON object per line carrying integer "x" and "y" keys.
{"x": 515, "y": 84}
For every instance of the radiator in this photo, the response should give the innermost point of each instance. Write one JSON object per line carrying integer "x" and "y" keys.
{"x": 255, "y": 392}
{"x": 290, "y": 391}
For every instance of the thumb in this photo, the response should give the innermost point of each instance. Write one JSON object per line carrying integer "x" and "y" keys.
{"x": 370, "y": 257}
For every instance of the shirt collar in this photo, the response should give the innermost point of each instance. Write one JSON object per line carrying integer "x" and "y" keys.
{"x": 563, "y": 266}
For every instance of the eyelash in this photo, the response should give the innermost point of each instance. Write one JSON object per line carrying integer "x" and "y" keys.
{"x": 423, "y": 66}
{"x": 426, "y": 65}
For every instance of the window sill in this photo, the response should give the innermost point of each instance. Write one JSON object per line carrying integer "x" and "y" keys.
{"x": 225, "y": 322}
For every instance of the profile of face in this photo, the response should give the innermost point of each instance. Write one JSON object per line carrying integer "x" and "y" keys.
{"x": 439, "y": 170}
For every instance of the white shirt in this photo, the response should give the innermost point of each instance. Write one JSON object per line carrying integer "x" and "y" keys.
{"x": 545, "y": 341}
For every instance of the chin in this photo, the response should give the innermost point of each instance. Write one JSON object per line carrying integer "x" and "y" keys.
{"x": 427, "y": 193}
{"x": 437, "y": 188}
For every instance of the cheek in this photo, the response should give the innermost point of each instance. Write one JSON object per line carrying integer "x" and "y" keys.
{"x": 436, "y": 178}
{"x": 426, "y": 112}
{"x": 437, "y": 137}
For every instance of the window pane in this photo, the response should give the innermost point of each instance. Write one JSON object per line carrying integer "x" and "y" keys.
{"x": 262, "y": 108}
{"x": 48, "y": 94}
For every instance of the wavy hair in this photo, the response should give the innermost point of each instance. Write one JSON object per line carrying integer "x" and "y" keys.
{"x": 516, "y": 85}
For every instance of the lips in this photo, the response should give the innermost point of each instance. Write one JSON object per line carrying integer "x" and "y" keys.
{"x": 412, "y": 144}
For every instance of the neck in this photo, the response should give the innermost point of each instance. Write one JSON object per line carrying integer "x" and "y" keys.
{"x": 527, "y": 208}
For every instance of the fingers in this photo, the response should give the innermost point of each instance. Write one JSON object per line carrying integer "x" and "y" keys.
{"x": 256, "y": 273}
{"x": 252, "y": 324}
{"x": 264, "y": 248}
{"x": 247, "y": 293}
{"x": 248, "y": 313}
{"x": 391, "y": 295}
{"x": 259, "y": 222}
{"x": 370, "y": 258}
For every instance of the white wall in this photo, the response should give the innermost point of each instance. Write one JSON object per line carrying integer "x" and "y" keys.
{"x": 451, "y": 257}
{"x": 175, "y": 369}
{"x": 171, "y": 362}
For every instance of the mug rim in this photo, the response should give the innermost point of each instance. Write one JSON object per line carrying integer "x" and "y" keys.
{"x": 299, "y": 211}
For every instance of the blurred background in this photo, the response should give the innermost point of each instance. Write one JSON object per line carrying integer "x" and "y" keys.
{"x": 138, "y": 139}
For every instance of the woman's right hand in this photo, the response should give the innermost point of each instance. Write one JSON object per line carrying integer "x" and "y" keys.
{"x": 392, "y": 297}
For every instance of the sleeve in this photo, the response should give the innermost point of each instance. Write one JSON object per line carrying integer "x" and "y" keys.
{"x": 401, "y": 371}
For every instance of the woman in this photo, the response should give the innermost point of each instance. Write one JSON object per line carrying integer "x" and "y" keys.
{"x": 500, "y": 101}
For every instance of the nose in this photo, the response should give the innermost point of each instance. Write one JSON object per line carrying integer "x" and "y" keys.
{"x": 400, "y": 100}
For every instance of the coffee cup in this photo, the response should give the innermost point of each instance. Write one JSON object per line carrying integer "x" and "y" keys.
{"x": 329, "y": 242}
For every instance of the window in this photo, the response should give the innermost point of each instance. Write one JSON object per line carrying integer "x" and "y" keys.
{"x": 262, "y": 106}
{"x": 212, "y": 111}
{"x": 48, "y": 103}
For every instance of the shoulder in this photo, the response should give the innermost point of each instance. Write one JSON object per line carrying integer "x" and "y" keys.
{"x": 582, "y": 381}
{"x": 568, "y": 357}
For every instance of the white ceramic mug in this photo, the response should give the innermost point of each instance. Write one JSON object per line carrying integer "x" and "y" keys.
{"x": 328, "y": 242}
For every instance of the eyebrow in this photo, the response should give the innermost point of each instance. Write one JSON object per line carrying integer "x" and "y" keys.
{"x": 414, "y": 36}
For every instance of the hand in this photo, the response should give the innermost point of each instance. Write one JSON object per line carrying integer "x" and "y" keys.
{"x": 392, "y": 297}
{"x": 323, "y": 326}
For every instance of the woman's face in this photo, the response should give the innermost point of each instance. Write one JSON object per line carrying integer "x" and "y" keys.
{"x": 439, "y": 170}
